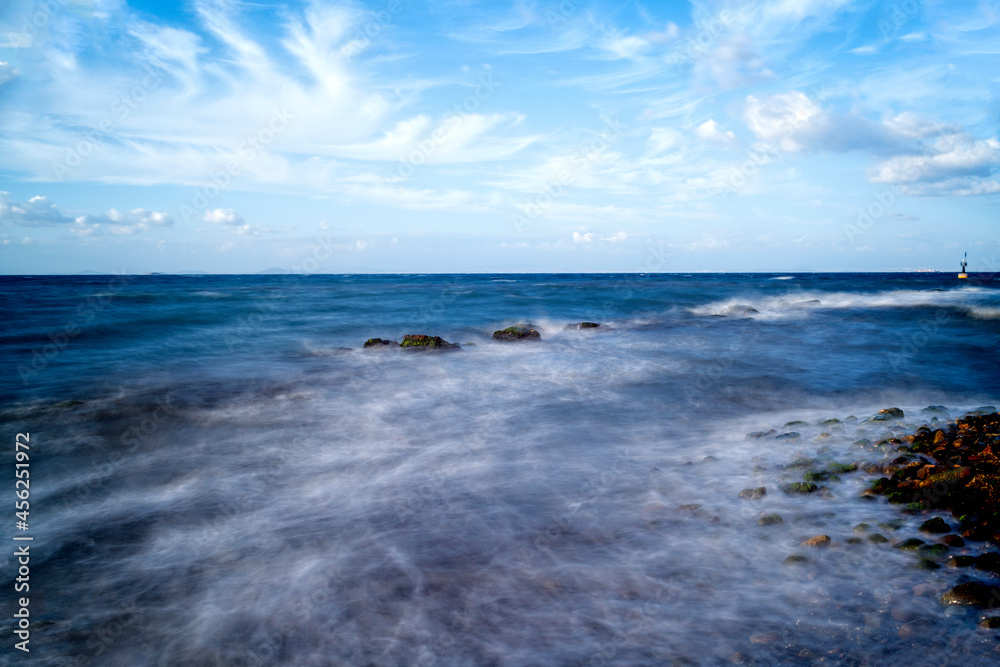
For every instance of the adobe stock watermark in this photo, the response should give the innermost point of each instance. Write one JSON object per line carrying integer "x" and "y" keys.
{"x": 247, "y": 152}
{"x": 424, "y": 149}
{"x": 555, "y": 187}
{"x": 364, "y": 35}
{"x": 121, "y": 108}
{"x": 35, "y": 22}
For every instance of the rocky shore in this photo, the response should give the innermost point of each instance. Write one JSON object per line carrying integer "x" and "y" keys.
{"x": 940, "y": 468}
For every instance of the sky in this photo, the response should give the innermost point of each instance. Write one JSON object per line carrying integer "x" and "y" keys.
{"x": 218, "y": 136}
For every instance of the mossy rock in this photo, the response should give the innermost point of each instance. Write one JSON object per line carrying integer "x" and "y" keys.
{"x": 934, "y": 550}
{"x": 862, "y": 528}
{"x": 799, "y": 488}
{"x": 877, "y": 538}
{"x": 419, "y": 342}
{"x": 881, "y": 485}
{"x": 961, "y": 561}
{"x": 796, "y": 559}
{"x": 841, "y": 468}
{"x": 926, "y": 564}
{"x": 791, "y": 435}
{"x": 797, "y": 422}
{"x": 800, "y": 463}
{"x": 769, "y": 520}
{"x": 820, "y": 476}
{"x": 583, "y": 325}
{"x": 517, "y": 333}
{"x": 911, "y": 544}
{"x": 754, "y": 494}
{"x": 830, "y": 422}
{"x": 973, "y": 594}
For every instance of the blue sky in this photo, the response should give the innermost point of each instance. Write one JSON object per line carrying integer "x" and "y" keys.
{"x": 408, "y": 136}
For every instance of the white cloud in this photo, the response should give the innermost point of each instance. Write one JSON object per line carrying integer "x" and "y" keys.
{"x": 36, "y": 212}
{"x": 708, "y": 131}
{"x": 866, "y": 50}
{"x": 41, "y": 212}
{"x": 781, "y": 118}
{"x": 583, "y": 238}
{"x": 956, "y": 164}
{"x": 913, "y": 37}
{"x": 732, "y": 63}
{"x": 7, "y": 72}
{"x": 224, "y": 216}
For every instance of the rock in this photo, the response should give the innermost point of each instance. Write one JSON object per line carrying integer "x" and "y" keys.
{"x": 769, "y": 520}
{"x": 989, "y": 562}
{"x": 887, "y": 415}
{"x": 934, "y": 550}
{"x": 797, "y": 422}
{"x": 379, "y": 344}
{"x": 799, "y": 487}
{"x": 516, "y": 333}
{"x": 911, "y": 544}
{"x": 830, "y": 422}
{"x": 740, "y": 310}
{"x": 937, "y": 525}
{"x": 792, "y": 435}
{"x": 584, "y": 325}
{"x": 862, "y": 528}
{"x": 765, "y": 638}
{"x": 877, "y": 538}
{"x": 796, "y": 559}
{"x": 953, "y": 541}
{"x": 818, "y": 541}
{"x": 973, "y": 594}
{"x": 989, "y": 623}
{"x": 418, "y": 342}
{"x": 956, "y": 562}
{"x": 841, "y": 468}
{"x": 926, "y": 564}
{"x": 754, "y": 494}
{"x": 935, "y": 410}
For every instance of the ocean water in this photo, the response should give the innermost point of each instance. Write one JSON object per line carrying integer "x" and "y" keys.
{"x": 216, "y": 480}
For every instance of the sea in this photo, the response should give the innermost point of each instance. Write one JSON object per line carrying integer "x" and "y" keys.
{"x": 221, "y": 475}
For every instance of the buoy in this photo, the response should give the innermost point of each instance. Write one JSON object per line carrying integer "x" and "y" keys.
{"x": 963, "y": 274}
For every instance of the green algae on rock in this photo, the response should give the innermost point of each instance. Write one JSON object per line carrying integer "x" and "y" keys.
{"x": 517, "y": 333}
{"x": 419, "y": 342}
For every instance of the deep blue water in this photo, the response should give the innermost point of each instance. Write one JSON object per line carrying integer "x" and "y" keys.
{"x": 217, "y": 481}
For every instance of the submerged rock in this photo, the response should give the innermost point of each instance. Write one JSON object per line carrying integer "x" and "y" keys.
{"x": 516, "y": 333}
{"x": 973, "y": 594}
{"x": 584, "y": 325}
{"x": 791, "y": 435}
{"x": 769, "y": 520}
{"x": 989, "y": 562}
{"x": 740, "y": 310}
{"x": 754, "y": 494}
{"x": 818, "y": 541}
{"x": 937, "y": 525}
{"x": 799, "y": 487}
{"x": 887, "y": 415}
{"x": 419, "y": 342}
{"x": 379, "y": 344}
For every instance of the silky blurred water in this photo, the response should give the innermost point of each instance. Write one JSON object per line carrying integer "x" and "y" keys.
{"x": 216, "y": 480}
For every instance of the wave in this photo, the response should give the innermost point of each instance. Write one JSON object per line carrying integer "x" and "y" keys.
{"x": 797, "y": 304}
